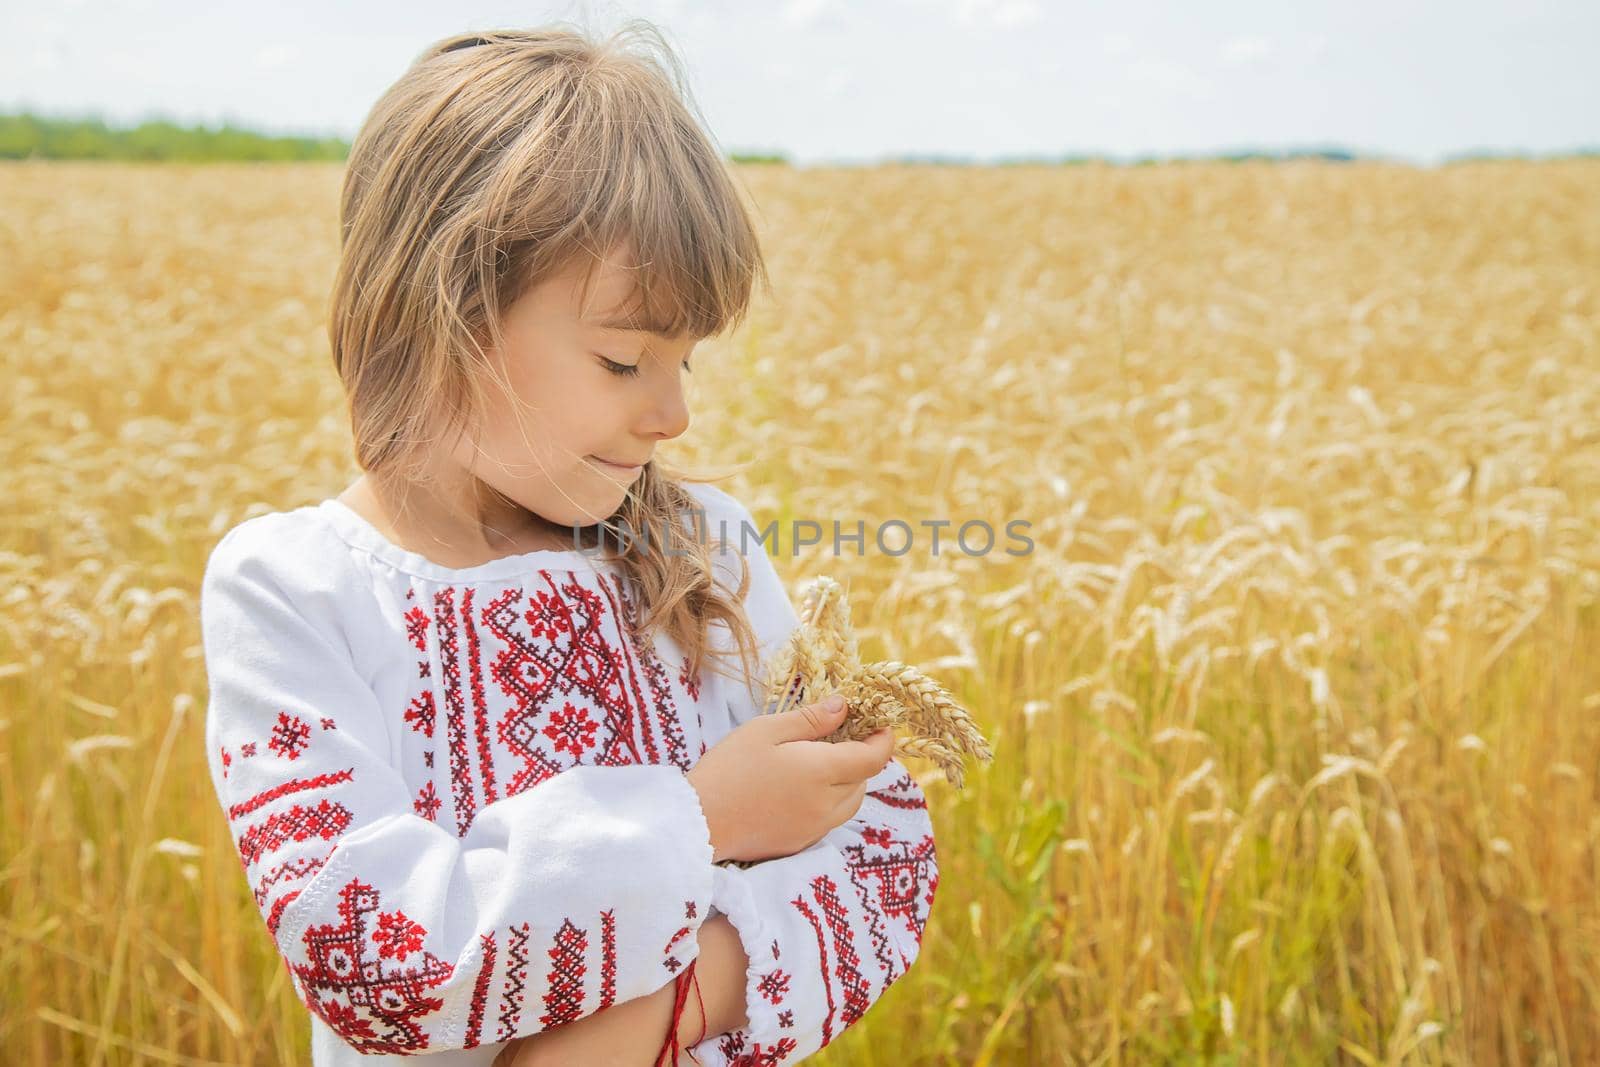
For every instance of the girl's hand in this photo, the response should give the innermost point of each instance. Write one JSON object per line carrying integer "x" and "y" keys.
{"x": 771, "y": 788}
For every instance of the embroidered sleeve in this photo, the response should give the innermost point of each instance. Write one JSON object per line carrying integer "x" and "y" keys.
{"x": 577, "y": 893}
{"x": 828, "y": 929}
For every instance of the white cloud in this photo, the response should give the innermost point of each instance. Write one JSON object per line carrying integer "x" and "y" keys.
{"x": 1116, "y": 45}
{"x": 804, "y": 12}
{"x": 49, "y": 56}
{"x": 1164, "y": 74}
{"x": 1245, "y": 50}
{"x": 272, "y": 56}
{"x": 837, "y": 83}
{"x": 1004, "y": 14}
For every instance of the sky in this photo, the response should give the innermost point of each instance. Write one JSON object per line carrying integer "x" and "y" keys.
{"x": 833, "y": 82}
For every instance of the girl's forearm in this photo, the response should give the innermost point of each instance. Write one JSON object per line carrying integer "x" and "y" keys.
{"x": 721, "y": 969}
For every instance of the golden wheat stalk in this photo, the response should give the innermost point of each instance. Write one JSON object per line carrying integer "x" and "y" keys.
{"x": 822, "y": 658}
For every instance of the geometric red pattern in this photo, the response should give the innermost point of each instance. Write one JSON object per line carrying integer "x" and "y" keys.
{"x": 420, "y": 714}
{"x": 283, "y": 789}
{"x": 563, "y": 997}
{"x": 377, "y": 1008}
{"x": 461, "y": 790}
{"x": 671, "y": 962}
{"x": 480, "y": 992}
{"x": 857, "y": 993}
{"x": 533, "y": 682}
{"x": 289, "y": 736}
{"x": 427, "y": 802}
{"x": 773, "y": 985}
{"x": 822, "y": 964}
{"x": 515, "y": 982}
{"x": 608, "y": 959}
{"x": 327, "y": 820}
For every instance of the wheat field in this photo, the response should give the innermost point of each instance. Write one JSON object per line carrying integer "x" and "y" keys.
{"x": 1295, "y": 702}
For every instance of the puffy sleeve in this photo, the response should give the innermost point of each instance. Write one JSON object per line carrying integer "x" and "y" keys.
{"x": 828, "y": 929}
{"x": 579, "y": 892}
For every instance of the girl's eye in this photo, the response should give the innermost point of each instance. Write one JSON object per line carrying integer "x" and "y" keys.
{"x": 625, "y": 370}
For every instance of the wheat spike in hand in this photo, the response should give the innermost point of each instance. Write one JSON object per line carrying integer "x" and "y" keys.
{"x": 821, "y": 659}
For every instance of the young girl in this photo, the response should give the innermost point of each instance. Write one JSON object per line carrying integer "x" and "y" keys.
{"x": 486, "y": 769}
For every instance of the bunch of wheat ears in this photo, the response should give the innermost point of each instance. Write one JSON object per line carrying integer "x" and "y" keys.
{"x": 821, "y": 659}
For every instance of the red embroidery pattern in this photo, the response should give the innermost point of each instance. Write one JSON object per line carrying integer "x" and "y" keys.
{"x": 480, "y": 717}
{"x": 283, "y": 789}
{"x": 572, "y": 730}
{"x": 419, "y": 715}
{"x": 427, "y": 802}
{"x": 773, "y": 985}
{"x": 397, "y": 935}
{"x": 665, "y": 708}
{"x": 480, "y": 992}
{"x": 455, "y": 717}
{"x": 276, "y": 916}
{"x": 417, "y": 625}
{"x": 227, "y": 761}
{"x": 417, "y": 632}
{"x": 890, "y": 885}
{"x": 857, "y": 994}
{"x": 901, "y": 794}
{"x": 290, "y": 736}
{"x": 563, "y": 998}
{"x": 297, "y": 868}
{"x": 608, "y": 958}
{"x": 671, "y": 963}
{"x": 758, "y": 1056}
{"x": 822, "y": 963}
{"x": 894, "y": 879}
{"x": 690, "y": 682}
{"x": 516, "y": 983}
{"x": 292, "y": 869}
{"x": 300, "y": 823}
{"x": 568, "y": 684}
{"x": 564, "y": 656}
{"x": 622, "y": 609}
{"x": 375, "y": 1008}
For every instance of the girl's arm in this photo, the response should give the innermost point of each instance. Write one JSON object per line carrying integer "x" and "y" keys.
{"x": 399, "y": 934}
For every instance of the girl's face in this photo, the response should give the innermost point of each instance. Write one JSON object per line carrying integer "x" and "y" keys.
{"x": 590, "y": 395}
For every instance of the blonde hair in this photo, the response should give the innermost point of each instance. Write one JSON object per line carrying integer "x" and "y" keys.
{"x": 497, "y": 160}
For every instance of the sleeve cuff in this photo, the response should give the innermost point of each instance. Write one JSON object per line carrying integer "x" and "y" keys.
{"x": 732, "y": 895}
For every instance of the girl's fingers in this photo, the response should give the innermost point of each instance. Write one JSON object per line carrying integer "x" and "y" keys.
{"x": 856, "y": 761}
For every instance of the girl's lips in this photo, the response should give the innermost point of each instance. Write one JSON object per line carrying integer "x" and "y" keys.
{"x": 618, "y": 466}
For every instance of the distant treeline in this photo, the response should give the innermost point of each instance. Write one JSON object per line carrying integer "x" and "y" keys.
{"x": 28, "y": 136}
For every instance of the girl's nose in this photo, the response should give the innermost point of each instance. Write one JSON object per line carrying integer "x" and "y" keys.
{"x": 669, "y": 417}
